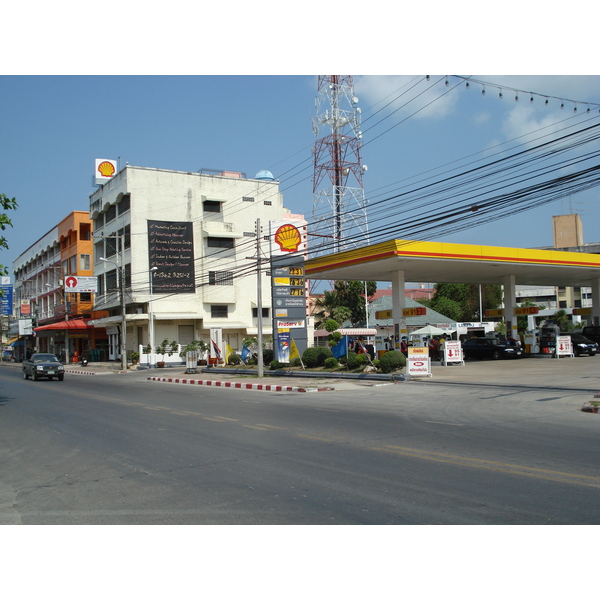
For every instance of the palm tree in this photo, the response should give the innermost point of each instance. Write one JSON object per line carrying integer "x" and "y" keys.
{"x": 561, "y": 318}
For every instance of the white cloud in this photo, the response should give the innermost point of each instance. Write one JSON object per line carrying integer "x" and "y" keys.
{"x": 431, "y": 101}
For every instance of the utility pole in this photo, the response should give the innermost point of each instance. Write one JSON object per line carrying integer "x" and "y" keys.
{"x": 259, "y": 300}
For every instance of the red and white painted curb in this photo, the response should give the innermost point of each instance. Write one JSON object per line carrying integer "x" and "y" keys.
{"x": 240, "y": 386}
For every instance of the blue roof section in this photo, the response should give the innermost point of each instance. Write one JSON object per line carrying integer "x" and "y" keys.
{"x": 265, "y": 176}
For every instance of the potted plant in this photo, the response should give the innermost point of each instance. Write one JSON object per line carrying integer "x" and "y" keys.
{"x": 168, "y": 348}
{"x": 135, "y": 356}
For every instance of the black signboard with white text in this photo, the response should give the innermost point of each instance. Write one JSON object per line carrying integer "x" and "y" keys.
{"x": 171, "y": 251}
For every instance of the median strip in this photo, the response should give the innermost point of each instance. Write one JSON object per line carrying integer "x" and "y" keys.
{"x": 263, "y": 387}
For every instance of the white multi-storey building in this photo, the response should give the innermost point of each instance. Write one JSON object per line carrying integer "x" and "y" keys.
{"x": 179, "y": 251}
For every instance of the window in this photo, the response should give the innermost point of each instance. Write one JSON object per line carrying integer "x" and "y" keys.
{"x": 218, "y": 311}
{"x": 85, "y": 297}
{"x": 111, "y": 247}
{"x": 185, "y": 334}
{"x": 265, "y": 313}
{"x": 111, "y": 281}
{"x": 125, "y": 204}
{"x": 220, "y": 278}
{"x": 126, "y": 233}
{"x": 99, "y": 222}
{"x": 111, "y": 213}
{"x": 84, "y": 262}
{"x": 211, "y": 206}
{"x": 247, "y": 199}
{"x": 73, "y": 266}
{"x": 216, "y": 242}
{"x": 268, "y": 203}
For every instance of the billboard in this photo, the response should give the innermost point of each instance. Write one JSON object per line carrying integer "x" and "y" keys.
{"x": 171, "y": 251}
{"x": 74, "y": 283}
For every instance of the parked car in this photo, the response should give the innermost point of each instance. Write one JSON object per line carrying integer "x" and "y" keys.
{"x": 591, "y": 332}
{"x": 484, "y": 347}
{"x": 43, "y": 365}
{"x": 581, "y": 345}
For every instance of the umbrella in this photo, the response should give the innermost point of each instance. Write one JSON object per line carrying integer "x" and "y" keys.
{"x": 428, "y": 330}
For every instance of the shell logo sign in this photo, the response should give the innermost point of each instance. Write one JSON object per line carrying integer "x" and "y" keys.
{"x": 105, "y": 169}
{"x": 288, "y": 238}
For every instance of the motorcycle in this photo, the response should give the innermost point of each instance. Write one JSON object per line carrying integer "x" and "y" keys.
{"x": 84, "y": 361}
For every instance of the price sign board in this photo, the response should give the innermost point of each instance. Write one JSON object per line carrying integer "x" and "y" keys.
{"x": 453, "y": 352}
{"x": 564, "y": 346}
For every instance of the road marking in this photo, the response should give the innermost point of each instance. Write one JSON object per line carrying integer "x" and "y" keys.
{"x": 478, "y": 463}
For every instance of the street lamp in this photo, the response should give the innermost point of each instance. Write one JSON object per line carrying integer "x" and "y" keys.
{"x": 123, "y": 314}
{"x": 151, "y": 310}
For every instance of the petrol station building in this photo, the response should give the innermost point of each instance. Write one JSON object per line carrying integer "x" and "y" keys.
{"x": 400, "y": 261}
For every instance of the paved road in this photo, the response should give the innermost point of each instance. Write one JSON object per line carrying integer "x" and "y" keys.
{"x": 121, "y": 449}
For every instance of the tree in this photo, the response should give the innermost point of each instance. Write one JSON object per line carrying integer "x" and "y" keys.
{"x": 351, "y": 294}
{"x": 464, "y": 297}
{"x": 346, "y": 302}
{"x": 561, "y": 318}
{"x": 7, "y": 204}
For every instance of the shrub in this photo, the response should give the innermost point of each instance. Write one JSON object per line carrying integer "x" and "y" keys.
{"x": 268, "y": 355}
{"x": 234, "y": 359}
{"x": 295, "y": 362}
{"x": 392, "y": 361}
{"x": 323, "y": 353}
{"x": 331, "y": 362}
{"x": 276, "y": 365}
{"x": 310, "y": 357}
{"x": 355, "y": 361}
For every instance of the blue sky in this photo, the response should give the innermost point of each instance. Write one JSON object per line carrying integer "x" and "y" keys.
{"x": 53, "y": 126}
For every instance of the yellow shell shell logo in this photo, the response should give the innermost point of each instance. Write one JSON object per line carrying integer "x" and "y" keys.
{"x": 288, "y": 238}
{"x": 106, "y": 169}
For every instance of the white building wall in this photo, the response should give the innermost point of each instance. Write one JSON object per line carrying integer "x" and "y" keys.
{"x": 178, "y": 196}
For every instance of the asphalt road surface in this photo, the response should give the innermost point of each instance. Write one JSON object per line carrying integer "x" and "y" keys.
{"x": 118, "y": 449}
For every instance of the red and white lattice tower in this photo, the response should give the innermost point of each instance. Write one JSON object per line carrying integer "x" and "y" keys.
{"x": 339, "y": 213}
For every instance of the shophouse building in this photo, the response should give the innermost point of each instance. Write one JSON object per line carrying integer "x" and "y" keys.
{"x": 53, "y": 318}
{"x": 175, "y": 254}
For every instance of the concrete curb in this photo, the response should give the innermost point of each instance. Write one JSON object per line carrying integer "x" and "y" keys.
{"x": 240, "y": 386}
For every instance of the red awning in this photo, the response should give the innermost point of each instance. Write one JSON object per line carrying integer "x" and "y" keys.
{"x": 72, "y": 324}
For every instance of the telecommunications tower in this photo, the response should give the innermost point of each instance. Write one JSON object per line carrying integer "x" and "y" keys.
{"x": 339, "y": 211}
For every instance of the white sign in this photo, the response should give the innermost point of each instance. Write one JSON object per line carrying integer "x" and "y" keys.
{"x": 290, "y": 324}
{"x": 74, "y": 283}
{"x": 25, "y": 327}
{"x": 105, "y": 169}
{"x": 453, "y": 352}
{"x": 418, "y": 366}
{"x": 563, "y": 346}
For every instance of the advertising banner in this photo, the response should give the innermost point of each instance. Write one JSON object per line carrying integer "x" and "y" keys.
{"x": 283, "y": 346}
{"x": 7, "y": 299}
{"x": 74, "y": 283}
{"x": 171, "y": 251}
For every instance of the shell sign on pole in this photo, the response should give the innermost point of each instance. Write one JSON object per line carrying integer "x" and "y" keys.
{"x": 105, "y": 169}
{"x": 286, "y": 238}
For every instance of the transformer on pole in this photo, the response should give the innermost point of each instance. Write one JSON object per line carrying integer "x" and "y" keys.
{"x": 339, "y": 212}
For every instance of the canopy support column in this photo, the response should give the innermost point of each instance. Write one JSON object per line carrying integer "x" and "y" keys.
{"x": 596, "y": 302}
{"x": 510, "y": 318}
{"x": 398, "y": 303}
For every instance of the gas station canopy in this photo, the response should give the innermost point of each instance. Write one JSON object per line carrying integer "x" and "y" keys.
{"x": 438, "y": 262}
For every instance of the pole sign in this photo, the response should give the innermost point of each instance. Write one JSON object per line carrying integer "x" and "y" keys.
{"x": 76, "y": 284}
{"x": 288, "y": 289}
